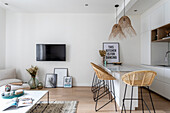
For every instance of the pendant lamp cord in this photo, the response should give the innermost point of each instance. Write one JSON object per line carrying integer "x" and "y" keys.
{"x": 124, "y": 7}
{"x": 116, "y": 15}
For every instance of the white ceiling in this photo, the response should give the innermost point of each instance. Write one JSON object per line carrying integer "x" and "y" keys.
{"x": 141, "y": 6}
{"x": 62, "y": 6}
{"x": 77, "y": 6}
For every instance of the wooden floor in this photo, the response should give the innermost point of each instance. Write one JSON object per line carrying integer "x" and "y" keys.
{"x": 86, "y": 103}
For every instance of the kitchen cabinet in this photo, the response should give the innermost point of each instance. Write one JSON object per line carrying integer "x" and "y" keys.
{"x": 161, "y": 88}
{"x": 167, "y": 90}
{"x": 145, "y": 48}
{"x": 167, "y": 76}
{"x": 160, "y": 73}
{"x": 154, "y": 26}
{"x": 158, "y": 87}
{"x": 167, "y": 12}
{"x": 157, "y": 18}
{"x": 161, "y": 83}
{"x": 145, "y": 23}
{"x": 159, "y": 34}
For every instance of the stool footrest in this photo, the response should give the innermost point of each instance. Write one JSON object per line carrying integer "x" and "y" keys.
{"x": 104, "y": 104}
{"x": 101, "y": 95}
{"x": 133, "y": 99}
{"x": 141, "y": 98}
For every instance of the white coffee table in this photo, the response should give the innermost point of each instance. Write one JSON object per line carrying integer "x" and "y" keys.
{"x": 36, "y": 95}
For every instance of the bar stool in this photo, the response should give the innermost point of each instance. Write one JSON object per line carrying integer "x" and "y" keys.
{"x": 95, "y": 81}
{"x": 139, "y": 79}
{"x": 104, "y": 81}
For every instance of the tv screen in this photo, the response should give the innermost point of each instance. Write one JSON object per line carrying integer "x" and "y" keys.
{"x": 50, "y": 52}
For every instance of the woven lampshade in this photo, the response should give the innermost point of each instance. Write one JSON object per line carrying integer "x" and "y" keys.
{"x": 116, "y": 29}
{"x": 126, "y": 26}
{"x": 116, "y": 32}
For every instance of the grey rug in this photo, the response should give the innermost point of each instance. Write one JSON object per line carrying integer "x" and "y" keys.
{"x": 55, "y": 107}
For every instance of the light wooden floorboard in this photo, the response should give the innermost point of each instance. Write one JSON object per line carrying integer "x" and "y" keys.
{"x": 86, "y": 103}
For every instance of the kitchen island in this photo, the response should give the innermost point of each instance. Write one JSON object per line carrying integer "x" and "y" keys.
{"x": 117, "y": 71}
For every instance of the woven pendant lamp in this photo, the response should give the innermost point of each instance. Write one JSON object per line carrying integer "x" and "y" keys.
{"x": 126, "y": 25}
{"x": 116, "y": 29}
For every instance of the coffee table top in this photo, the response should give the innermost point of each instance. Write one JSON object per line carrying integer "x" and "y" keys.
{"x": 36, "y": 95}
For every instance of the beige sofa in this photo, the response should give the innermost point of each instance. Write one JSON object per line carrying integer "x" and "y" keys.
{"x": 8, "y": 76}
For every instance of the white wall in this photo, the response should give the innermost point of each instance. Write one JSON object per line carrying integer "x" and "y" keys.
{"x": 82, "y": 33}
{"x": 2, "y": 38}
{"x": 130, "y": 47}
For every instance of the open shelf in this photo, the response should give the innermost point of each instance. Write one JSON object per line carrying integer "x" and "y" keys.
{"x": 161, "y": 34}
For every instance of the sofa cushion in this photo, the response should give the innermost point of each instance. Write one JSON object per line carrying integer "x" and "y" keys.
{"x": 7, "y": 74}
{"x": 8, "y": 81}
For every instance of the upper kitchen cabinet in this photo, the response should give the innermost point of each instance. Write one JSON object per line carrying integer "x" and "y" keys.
{"x": 167, "y": 76}
{"x": 145, "y": 23}
{"x": 167, "y": 12}
{"x": 161, "y": 34}
{"x": 146, "y": 48}
{"x": 157, "y": 18}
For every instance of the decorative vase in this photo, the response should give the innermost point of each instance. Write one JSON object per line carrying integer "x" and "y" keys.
{"x": 33, "y": 82}
{"x": 40, "y": 85}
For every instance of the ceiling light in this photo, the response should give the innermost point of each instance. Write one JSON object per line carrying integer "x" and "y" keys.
{"x": 86, "y": 5}
{"x": 6, "y": 3}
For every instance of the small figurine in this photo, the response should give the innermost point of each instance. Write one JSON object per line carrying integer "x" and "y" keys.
{"x": 7, "y": 88}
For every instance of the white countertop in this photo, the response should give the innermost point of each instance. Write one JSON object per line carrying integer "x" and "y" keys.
{"x": 158, "y": 66}
{"x": 123, "y": 68}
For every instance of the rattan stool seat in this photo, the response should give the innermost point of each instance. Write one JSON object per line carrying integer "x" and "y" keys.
{"x": 139, "y": 78}
{"x": 101, "y": 73}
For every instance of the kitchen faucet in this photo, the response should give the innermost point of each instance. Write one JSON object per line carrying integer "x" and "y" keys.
{"x": 166, "y": 56}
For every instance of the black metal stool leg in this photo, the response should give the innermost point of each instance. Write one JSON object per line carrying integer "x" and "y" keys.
{"x": 104, "y": 84}
{"x": 131, "y": 100}
{"x": 97, "y": 95}
{"x": 110, "y": 89}
{"x": 114, "y": 95}
{"x": 96, "y": 88}
{"x": 151, "y": 100}
{"x": 93, "y": 82}
{"x": 142, "y": 100}
{"x": 108, "y": 86}
{"x": 123, "y": 105}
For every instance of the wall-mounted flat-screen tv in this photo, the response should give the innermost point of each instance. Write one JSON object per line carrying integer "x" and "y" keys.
{"x": 50, "y": 52}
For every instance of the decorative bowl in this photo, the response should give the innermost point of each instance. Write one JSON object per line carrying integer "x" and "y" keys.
{"x": 117, "y": 63}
